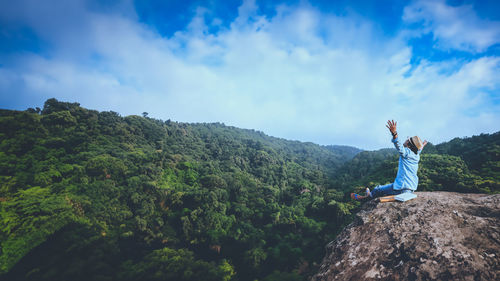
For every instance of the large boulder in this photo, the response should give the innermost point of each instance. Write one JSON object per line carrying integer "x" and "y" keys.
{"x": 437, "y": 236}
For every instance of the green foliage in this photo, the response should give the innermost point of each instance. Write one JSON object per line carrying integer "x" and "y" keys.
{"x": 187, "y": 201}
{"x": 29, "y": 218}
{"x": 178, "y": 265}
{"x": 283, "y": 276}
{"x": 93, "y": 195}
{"x": 480, "y": 153}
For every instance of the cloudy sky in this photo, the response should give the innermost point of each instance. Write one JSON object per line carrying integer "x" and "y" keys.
{"x": 329, "y": 72}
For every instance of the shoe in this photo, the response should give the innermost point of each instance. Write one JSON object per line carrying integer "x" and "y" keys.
{"x": 357, "y": 197}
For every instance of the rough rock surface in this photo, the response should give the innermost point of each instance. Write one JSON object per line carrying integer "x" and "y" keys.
{"x": 437, "y": 236}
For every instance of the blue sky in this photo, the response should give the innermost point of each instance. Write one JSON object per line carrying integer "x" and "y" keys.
{"x": 329, "y": 72}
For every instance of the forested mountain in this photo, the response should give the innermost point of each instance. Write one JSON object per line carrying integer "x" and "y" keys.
{"x": 347, "y": 152}
{"x": 480, "y": 153}
{"x": 134, "y": 198}
{"x": 88, "y": 195}
{"x": 362, "y": 165}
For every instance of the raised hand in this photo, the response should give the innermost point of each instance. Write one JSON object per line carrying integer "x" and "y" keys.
{"x": 391, "y": 125}
{"x": 424, "y": 144}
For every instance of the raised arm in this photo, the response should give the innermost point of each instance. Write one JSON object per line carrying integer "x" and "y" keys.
{"x": 391, "y": 125}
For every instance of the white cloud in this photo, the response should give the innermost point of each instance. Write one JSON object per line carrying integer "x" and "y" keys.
{"x": 454, "y": 27}
{"x": 301, "y": 74}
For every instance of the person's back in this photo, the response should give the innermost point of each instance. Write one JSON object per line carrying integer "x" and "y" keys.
{"x": 408, "y": 166}
{"x": 406, "y": 178}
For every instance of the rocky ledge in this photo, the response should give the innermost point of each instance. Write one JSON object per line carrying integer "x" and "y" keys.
{"x": 437, "y": 236}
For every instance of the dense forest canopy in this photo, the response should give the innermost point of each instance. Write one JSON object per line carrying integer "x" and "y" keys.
{"x": 93, "y": 195}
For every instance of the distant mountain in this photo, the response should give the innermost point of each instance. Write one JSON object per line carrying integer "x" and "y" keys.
{"x": 347, "y": 152}
{"x": 480, "y": 153}
{"x": 364, "y": 163}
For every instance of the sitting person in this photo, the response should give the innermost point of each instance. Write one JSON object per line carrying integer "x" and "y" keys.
{"x": 406, "y": 179}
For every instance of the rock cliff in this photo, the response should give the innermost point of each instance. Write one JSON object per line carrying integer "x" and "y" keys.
{"x": 437, "y": 236}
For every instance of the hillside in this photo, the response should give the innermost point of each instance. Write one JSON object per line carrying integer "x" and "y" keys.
{"x": 480, "y": 153}
{"x": 94, "y": 195}
{"x": 437, "y": 236}
{"x": 348, "y": 152}
{"x": 133, "y": 198}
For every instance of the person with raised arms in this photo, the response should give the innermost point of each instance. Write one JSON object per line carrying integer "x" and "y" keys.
{"x": 406, "y": 179}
